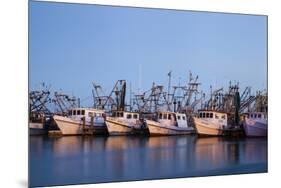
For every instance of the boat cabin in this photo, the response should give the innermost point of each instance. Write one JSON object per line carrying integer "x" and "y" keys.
{"x": 125, "y": 115}
{"x": 215, "y": 116}
{"x": 172, "y": 118}
{"x": 88, "y": 113}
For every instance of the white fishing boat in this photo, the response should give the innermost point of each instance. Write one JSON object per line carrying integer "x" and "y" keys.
{"x": 255, "y": 124}
{"x": 82, "y": 120}
{"x": 210, "y": 122}
{"x": 123, "y": 123}
{"x": 169, "y": 123}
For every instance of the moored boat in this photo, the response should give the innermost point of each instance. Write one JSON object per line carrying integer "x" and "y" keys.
{"x": 255, "y": 124}
{"x": 169, "y": 123}
{"x": 82, "y": 120}
{"x": 37, "y": 124}
{"x": 124, "y": 123}
{"x": 211, "y": 122}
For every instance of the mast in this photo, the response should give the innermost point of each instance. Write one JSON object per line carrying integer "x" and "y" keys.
{"x": 130, "y": 96}
{"x": 169, "y": 87}
{"x": 211, "y": 97}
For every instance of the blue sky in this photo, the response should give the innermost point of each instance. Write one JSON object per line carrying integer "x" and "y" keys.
{"x": 71, "y": 45}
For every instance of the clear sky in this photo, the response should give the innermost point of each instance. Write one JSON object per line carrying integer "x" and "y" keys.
{"x": 71, "y": 45}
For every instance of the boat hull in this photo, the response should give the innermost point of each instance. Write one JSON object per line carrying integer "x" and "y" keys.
{"x": 37, "y": 129}
{"x": 68, "y": 126}
{"x": 206, "y": 129}
{"x": 156, "y": 129}
{"x": 118, "y": 128}
{"x": 254, "y": 128}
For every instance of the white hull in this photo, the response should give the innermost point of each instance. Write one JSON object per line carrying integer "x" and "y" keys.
{"x": 155, "y": 128}
{"x": 207, "y": 128}
{"x": 255, "y": 128}
{"x": 68, "y": 126}
{"x": 118, "y": 127}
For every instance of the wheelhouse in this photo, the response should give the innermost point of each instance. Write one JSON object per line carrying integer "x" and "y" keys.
{"x": 125, "y": 115}
{"x": 166, "y": 116}
{"x": 81, "y": 112}
{"x": 171, "y": 116}
{"x": 172, "y": 119}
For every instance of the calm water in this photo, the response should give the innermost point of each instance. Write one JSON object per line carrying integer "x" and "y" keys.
{"x": 72, "y": 160}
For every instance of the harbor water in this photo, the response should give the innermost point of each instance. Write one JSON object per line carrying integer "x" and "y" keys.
{"x": 78, "y": 159}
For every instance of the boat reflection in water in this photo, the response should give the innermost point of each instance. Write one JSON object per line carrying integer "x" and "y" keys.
{"x": 72, "y": 160}
{"x": 229, "y": 156}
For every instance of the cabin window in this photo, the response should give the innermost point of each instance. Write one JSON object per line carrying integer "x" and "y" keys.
{"x": 74, "y": 112}
{"x": 183, "y": 117}
{"x": 216, "y": 116}
{"x": 200, "y": 115}
{"x": 203, "y": 115}
{"x": 113, "y": 114}
{"x": 129, "y": 116}
{"x": 160, "y": 116}
{"x": 259, "y": 115}
{"x": 211, "y": 115}
{"x": 169, "y": 116}
{"x": 121, "y": 114}
{"x": 135, "y": 116}
{"x": 83, "y": 112}
{"x": 207, "y": 115}
{"x": 165, "y": 116}
{"x": 78, "y": 112}
{"x": 179, "y": 118}
{"x": 90, "y": 114}
{"x": 69, "y": 112}
{"x": 223, "y": 117}
{"x": 255, "y": 115}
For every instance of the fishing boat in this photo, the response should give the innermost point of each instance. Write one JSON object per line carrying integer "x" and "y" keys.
{"x": 39, "y": 113}
{"x": 124, "y": 123}
{"x": 82, "y": 120}
{"x": 169, "y": 123}
{"x": 255, "y": 124}
{"x": 37, "y": 125}
{"x": 211, "y": 122}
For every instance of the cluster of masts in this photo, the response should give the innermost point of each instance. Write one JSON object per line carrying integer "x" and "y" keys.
{"x": 181, "y": 98}
{"x": 176, "y": 99}
{"x": 171, "y": 110}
